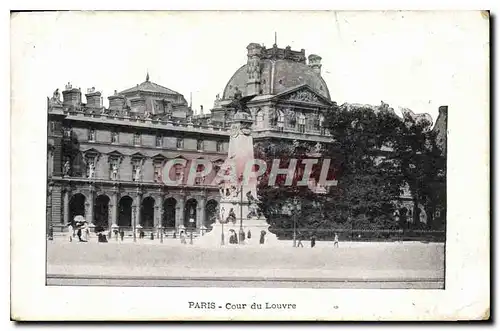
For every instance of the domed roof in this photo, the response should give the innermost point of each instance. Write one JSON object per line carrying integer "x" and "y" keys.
{"x": 278, "y": 75}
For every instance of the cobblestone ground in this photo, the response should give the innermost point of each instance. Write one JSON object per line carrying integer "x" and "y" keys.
{"x": 367, "y": 260}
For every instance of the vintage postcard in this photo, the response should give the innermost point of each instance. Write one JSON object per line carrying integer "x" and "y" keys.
{"x": 259, "y": 165}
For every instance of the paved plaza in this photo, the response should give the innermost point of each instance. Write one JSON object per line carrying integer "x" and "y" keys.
{"x": 151, "y": 263}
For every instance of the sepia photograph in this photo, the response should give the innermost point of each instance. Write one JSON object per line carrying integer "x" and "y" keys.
{"x": 246, "y": 150}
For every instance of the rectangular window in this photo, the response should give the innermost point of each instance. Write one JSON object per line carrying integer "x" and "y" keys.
{"x": 137, "y": 139}
{"x": 52, "y": 127}
{"x": 180, "y": 143}
{"x": 91, "y": 135}
{"x": 199, "y": 144}
{"x": 114, "y": 137}
{"x": 302, "y": 128}
{"x": 219, "y": 146}
{"x": 158, "y": 141}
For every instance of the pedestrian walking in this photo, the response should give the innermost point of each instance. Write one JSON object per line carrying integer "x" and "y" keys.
{"x": 71, "y": 232}
{"x": 79, "y": 234}
{"x": 336, "y": 240}
{"x": 313, "y": 241}
{"x": 299, "y": 243}
{"x": 122, "y": 234}
{"x": 262, "y": 237}
{"x": 183, "y": 237}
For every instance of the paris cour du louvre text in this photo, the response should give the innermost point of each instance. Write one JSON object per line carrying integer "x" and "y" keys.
{"x": 106, "y": 164}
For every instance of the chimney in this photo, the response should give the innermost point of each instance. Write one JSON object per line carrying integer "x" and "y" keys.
{"x": 71, "y": 96}
{"x": 253, "y": 69}
{"x": 94, "y": 99}
{"x": 138, "y": 105}
{"x": 116, "y": 102}
{"x": 443, "y": 110}
{"x": 315, "y": 63}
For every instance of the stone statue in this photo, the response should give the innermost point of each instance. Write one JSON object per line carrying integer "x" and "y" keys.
{"x": 231, "y": 217}
{"x": 237, "y": 94}
{"x": 253, "y": 207}
{"x": 91, "y": 170}
{"x": 238, "y": 104}
{"x": 318, "y": 147}
{"x": 56, "y": 97}
{"x": 66, "y": 168}
{"x": 114, "y": 171}
{"x": 137, "y": 175}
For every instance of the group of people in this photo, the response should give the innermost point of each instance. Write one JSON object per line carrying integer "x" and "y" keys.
{"x": 313, "y": 241}
{"x": 78, "y": 228}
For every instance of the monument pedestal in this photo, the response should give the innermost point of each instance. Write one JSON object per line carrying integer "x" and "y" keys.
{"x": 254, "y": 225}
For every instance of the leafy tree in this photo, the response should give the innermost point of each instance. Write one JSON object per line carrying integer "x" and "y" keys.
{"x": 374, "y": 154}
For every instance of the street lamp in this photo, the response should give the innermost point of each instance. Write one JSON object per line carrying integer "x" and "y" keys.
{"x": 114, "y": 229}
{"x": 160, "y": 230}
{"x": 242, "y": 233}
{"x": 191, "y": 225}
{"x": 221, "y": 220}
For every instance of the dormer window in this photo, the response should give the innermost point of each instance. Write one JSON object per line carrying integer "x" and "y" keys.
{"x": 199, "y": 145}
{"x": 91, "y": 136}
{"x": 219, "y": 146}
{"x": 180, "y": 143}
{"x": 137, "y": 139}
{"x": 158, "y": 141}
{"x": 114, "y": 137}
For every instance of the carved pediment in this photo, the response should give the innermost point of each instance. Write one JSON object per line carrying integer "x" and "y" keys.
{"x": 304, "y": 94}
{"x": 137, "y": 156}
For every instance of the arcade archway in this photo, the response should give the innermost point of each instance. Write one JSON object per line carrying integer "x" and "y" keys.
{"x": 76, "y": 206}
{"x": 101, "y": 213}
{"x": 125, "y": 211}
{"x": 190, "y": 213}
{"x": 148, "y": 212}
{"x": 168, "y": 220}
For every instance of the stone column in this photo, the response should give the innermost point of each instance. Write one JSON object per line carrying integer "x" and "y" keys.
{"x": 66, "y": 207}
{"x": 179, "y": 213}
{"x": 90, "y": 216}
{"x": 159, "y": 211}
{"x": 200, "y": 215}
{"x": 137, "y": 209}
{"x": 113, "y": 209}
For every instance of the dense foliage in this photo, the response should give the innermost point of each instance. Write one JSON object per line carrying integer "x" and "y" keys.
{"x": 375, "y": 154}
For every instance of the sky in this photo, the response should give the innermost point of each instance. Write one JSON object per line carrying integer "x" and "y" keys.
{"x": 407, "y": 59}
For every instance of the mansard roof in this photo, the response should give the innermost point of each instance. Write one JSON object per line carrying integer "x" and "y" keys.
{"x": 148, "y": 86}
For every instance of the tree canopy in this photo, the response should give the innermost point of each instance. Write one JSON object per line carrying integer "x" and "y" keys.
{"x": 373, "y": 155}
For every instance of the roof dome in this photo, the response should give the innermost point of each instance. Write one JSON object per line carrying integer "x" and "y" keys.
{"x": 278, "y": 75}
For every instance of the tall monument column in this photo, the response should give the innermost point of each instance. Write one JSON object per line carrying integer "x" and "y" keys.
{"x": 238, "y": 190}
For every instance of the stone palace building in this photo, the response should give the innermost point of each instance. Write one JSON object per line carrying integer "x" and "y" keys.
{"x": 105, "y": 163}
